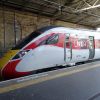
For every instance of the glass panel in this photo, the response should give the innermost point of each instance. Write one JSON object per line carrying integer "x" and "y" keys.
{"x": 53, "y": 39}
{"x": 91, "y": 42}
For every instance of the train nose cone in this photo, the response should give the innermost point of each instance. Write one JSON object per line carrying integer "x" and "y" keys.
{"x": 9, "y": 71}
{"x": 5, "y": 59}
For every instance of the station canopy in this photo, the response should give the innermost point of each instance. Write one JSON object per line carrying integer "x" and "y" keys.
{"x": 83, "y": 12}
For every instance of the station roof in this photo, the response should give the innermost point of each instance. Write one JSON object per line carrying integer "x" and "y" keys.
{"x": 83, "y": 12}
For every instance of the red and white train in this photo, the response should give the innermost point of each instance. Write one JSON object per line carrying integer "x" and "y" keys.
{"x": 52, "y": 46}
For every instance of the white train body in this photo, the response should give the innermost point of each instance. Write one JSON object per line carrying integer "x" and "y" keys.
{"x": 53, "y": 47}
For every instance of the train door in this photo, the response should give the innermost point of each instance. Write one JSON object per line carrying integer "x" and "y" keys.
{"x": 67, "y": 49}
{"x": 91, "y": 47}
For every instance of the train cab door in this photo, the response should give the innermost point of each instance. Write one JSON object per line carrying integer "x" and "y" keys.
{"x": 91, "y": 47}
{"x": 67, "y": 49}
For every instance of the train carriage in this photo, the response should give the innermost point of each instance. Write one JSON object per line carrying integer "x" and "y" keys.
{"x": 49, "y": 47}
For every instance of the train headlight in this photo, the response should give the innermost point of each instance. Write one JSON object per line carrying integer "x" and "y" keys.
{"x": 20, "y": 54}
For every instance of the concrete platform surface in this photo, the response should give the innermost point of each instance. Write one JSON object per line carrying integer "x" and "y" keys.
{"x": 74, "y": 83}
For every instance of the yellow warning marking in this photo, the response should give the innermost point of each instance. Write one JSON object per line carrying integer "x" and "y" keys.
{"x": 42, "y": 79}
{"x": 7, "y": 57}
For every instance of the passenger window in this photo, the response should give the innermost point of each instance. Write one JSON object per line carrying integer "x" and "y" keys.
{"x": 53, "y": 39}
{"x": 42, "y": 43}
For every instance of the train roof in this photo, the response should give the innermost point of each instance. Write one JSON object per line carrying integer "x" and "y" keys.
{"x": 38, "y": 32}
{"x": 31, "y": 36}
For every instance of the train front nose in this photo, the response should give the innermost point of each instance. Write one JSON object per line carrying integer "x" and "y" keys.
{"x": 9, "y": 71}
{"x": 7, "y": 66}
{"x": 5, "y": 59}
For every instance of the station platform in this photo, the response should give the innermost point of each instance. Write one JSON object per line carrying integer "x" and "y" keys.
{"x": 80, "y": 82}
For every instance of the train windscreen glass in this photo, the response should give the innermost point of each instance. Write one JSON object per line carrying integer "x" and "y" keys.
{"x": 25, "y": 41}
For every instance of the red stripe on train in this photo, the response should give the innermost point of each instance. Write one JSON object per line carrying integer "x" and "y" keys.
{"x": 77, "y": 43}
{"x": 9, "y": 70}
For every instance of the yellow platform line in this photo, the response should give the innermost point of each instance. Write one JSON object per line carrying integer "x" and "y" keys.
{"x": 42, "y": 79}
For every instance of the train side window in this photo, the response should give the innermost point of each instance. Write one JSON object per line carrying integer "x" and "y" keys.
{"x": 53, "y": 39}
{"x": 42, "y": 43}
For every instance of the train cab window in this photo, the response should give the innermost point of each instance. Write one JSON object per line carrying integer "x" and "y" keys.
{"x": 53, "y": 39}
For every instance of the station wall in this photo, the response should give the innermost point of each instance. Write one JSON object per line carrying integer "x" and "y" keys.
{"x": 16, "y": 25}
